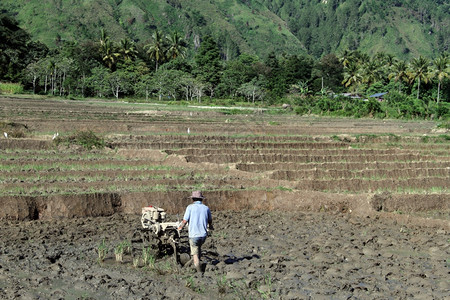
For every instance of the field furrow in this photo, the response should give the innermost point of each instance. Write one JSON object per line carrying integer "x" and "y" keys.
{"x": 266, "y": 158}
{"x": 230, "y": 158}
{"x": 264, "y": 167}
{"x": 362, "y": 174}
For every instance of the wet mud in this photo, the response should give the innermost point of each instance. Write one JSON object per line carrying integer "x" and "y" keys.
{"x": 250, "y": 255}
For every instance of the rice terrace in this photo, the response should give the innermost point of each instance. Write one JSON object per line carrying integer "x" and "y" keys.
{"x": 304, "y": 207}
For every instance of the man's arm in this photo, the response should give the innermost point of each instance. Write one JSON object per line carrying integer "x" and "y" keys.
{"x": 183, "y": 223}
{"x": 211, "y": 227}
{"x": 186, "y": 218}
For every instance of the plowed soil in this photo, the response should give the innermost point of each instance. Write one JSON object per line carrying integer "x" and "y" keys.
{"x": 304, "y": 207}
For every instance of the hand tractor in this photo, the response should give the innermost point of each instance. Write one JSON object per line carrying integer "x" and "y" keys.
{"x": 162, "y": 238}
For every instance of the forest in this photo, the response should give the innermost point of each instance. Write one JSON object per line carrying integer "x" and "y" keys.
{"x": 170, "y": 69}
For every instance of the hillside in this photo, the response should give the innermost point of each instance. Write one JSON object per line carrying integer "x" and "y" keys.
{"x": 404, "y": 28}
{"x": 238, "y": 27}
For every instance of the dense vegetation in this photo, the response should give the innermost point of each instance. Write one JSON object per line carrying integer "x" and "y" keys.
{"x": 170, "y": 68}
{"x": 404, "y": 28}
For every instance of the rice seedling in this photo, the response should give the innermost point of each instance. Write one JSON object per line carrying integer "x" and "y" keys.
{"x": 136, "y": 262}
{"x": 222, "y": 284}
{"x": 282, "y": 188}
{"x": 166, "y": 267}
{"x": 266, "y": 289}
{"x": 148, "y": 258}
{"x": 118, "y": 251}
{"x": 64, "y": 166}
{"x": 121, "y": 249}
{"x": 102, "y": 250}
{"x": 190, "y": 283}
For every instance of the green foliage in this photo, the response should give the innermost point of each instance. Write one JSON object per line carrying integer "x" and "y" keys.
{"x": 291, "y": 26}
{"x": 324, "y": 27}
{"x": 445, "y": 125}
{"x": 203, "y": 69}
{"x": 406, "y": 106}
{"x": 443, "y": 111}
{"x": 208, "y": 62}
{"x": 372, "y": 107}
{"x": 87, "y": 139}
{"x": 11, "y": 88}
{"x": 17, "y": 49}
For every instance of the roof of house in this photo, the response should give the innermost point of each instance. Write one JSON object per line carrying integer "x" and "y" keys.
{"x": 378, "y": 94}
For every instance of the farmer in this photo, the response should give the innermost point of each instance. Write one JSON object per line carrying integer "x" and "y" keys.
{"x": 199, "y": 216}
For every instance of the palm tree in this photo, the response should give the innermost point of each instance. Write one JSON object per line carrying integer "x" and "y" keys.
{"x": 352, "y": 75}
{"x": 127, "y": 49}
{"x": 399, "y": 72}
{"x": 346, "y": 58}
{"x": 109, "y": 54}
{"x": 419, "y": 71}
{"x": 380, "y": 56}
{"x": 363, "y": 58}
{"x": 156, "y": 48}
{"x": 103, "y": 37}
{"x": 353, "y": 56}
{"x": 390, "y": 59}
{"x": 177, "y": 46}
{"x": 440, "y": 70}
{"x": 372, "y": 72}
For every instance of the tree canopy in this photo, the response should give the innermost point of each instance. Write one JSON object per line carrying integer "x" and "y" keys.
{"x": 160, "y": 70}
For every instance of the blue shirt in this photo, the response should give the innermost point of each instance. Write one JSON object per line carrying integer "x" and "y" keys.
{"x": 198, "y": 215}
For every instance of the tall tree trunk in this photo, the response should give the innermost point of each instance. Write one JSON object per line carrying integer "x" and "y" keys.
{"x": 83, "y": 79}
{"x": 439, "y": 90}
{"x": 45, "y": 84}
{"x": 34, "y": 84}
{"x": 418, "y": 88}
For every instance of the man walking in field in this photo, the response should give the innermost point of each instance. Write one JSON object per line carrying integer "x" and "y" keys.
{"x": 199, "y": 217}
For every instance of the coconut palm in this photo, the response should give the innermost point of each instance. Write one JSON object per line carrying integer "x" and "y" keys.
{"x": 127, "y": 49}
{"x": 363, "y": 58}
{"x": 346, "y": 58}
{"x": 399, "y": 72}
{"x": 419, "y": 71}
{"x": 109, "y": 54}
{"x": 390, "y": 59}
{"x": 353, "y": 56}
{"x": 372, "y": 72}
{"x": 156, "y": 48}
{"x": 440, "y": 71}
{"x": 352, "y": 75}
{"x": 380, "y": 56}
{"x": 176, "y": 46}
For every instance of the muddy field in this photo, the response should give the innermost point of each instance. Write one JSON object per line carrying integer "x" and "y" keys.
{"x": 304, "y": 207}
{"x": 250, "y": 255}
